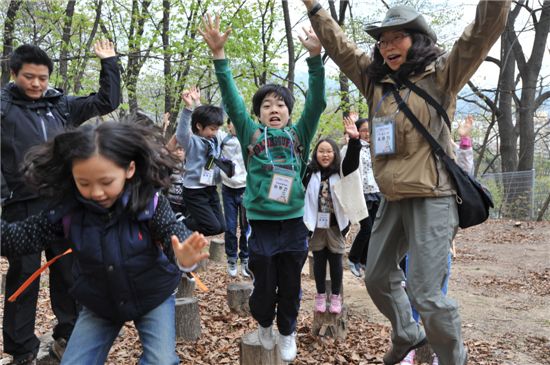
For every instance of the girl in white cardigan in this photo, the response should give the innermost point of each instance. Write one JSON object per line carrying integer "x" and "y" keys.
{"x": 324, "y": 215}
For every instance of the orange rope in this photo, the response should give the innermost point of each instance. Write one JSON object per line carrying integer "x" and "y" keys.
{"x": 35, "y": 275}
{"x": 200, "y": 284}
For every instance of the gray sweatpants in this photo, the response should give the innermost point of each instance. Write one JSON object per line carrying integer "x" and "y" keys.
{"x": 423, "y": 227}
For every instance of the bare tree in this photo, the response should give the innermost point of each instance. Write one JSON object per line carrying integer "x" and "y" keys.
{"x": 66, "y": 43}
{"x": 11, "y": 14}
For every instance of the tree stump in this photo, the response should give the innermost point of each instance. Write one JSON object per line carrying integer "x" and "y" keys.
{"x": 424, "y": 354}
{"x": 252, "y": 353}
{"x": 217, "y": 250}
{"x": 202, "y": 265}
{"x": 188, "y": 321}
{"x": 330, "y": 325}
{"x": 3, "y": 284}
{"x": 237, "y": 297}
{"x": 186, "y": 287}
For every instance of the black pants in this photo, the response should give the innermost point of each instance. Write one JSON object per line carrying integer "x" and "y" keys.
{"x": 320, "y": 259}
{"x": 19, "y": 316}
{"x": 204, "y": 210}
{"x": 360, "y": 247}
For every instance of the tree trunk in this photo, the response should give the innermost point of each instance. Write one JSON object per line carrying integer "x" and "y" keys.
{"x": 186, "y": 288}
{"x": 8, "y": 40}
{"x": 85, "y": 57}
{"x": 166, "y": 55}
{"x": 238, "y": 295}
{"x": 290, "y": 46}
{"x": 330, "y": 325}
{"x": 217, "y": 250}
{"x": 188, "y": 321}
{"x": 65, "y": 44}
{"x": 252, "y": 353}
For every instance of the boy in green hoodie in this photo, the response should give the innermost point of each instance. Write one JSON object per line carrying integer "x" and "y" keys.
{"x": 274, "y": 197}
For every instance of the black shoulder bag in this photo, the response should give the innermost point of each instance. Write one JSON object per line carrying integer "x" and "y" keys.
{"x": 473, "y": 199}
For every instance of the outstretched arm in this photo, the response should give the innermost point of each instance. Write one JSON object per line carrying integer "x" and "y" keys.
{"x": 108, "y": 98}
{"x": 211, "y": 34}
{"x": 29, "y": 236}
{"x": 351, "y": 160}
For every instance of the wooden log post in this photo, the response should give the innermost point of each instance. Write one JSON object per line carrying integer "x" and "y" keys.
{"x": 330, "y": 325}
{"x": 3, "y": 284}
{"x": 186, "y": 288}
{"x": 252, "y": 352}
{"x": 202, "y": 265}
{"x": 237, "y": 297}
{"x": 188, "y": 322}
{"x": 217, "y": 250}
{"x": 424, "y": 354}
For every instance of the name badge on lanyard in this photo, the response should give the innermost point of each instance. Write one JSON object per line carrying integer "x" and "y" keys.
{"x": 323, "y": 220}
{"x": 383, "y": 135}
{"x": 281, "y": 185}
{"x": 207, "y": 177}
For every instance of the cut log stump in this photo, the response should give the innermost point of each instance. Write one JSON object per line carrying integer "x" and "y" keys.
{"x": 252, "y": 353}
{"x": 188, "y": 321}
{"x": 237, "y": 297}
{"x": 217, "y": 250}
{"x": 424, "y": 354}
{"x": 186, "y": 288}
{"x": 202, "y": 265}
{"x": 330, "y": 325}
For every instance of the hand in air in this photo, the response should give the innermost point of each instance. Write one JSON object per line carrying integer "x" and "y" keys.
{"x": 215, "y": 40}
{"x": 311, "y": 42}
{"x": 104, "y": 49}
{"x": 465, "y": 128}
{"x": 190, "y": 252}
{"x": 350, "y": 127}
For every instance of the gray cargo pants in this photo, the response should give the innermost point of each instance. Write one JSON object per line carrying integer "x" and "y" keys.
{"x": 423, "y": 227}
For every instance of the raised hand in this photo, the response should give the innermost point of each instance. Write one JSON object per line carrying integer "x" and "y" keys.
{"x": 215, "y": 40}
{"x": 311, "y": 42}
{"x": 187, "y": 98}
{"x": 104, "y": 49}
{"x": 195, "y": 95}
{"x": 465, "y": 128}
{"x": 350, "y": 127}
{"x": 190, "y": 252}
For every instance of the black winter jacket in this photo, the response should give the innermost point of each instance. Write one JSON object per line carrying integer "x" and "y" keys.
{"x": 26, "y": 123}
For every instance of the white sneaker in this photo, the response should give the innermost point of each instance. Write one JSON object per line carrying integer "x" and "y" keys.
{"x": 232, "y": 269}
{"x": 244, "y": 269}
{"x": 287, "y": 347}
{"x": 409, "y": 359}
{"x": 265, "y": 335}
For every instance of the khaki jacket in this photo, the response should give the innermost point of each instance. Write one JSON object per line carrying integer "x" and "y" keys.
{"x": 414, "y": 171}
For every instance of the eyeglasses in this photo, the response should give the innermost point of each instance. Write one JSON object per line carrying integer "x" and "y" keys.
{"x": 383, "y": 44}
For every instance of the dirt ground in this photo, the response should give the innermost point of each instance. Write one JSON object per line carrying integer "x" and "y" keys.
{"x": 500, "y": 278}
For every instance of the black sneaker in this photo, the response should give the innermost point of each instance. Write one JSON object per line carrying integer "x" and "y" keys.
{"x": 57, "y": 349}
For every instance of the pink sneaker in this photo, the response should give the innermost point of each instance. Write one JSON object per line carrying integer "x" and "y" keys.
{"x": 435, "y": 360}
{"x": 409, "y": 359}
{"x": 321, "y": 303}
{"x": 335, "y": 304}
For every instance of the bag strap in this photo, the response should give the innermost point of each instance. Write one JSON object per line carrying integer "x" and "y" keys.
{"x": 426, "y": 96}
{"x": 436, "y": 147}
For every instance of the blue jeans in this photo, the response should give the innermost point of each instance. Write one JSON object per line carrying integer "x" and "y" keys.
{"x": 234, "y": 212}
{"x": 93, "y": 337}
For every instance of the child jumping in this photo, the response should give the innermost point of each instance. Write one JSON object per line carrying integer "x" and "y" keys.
{"x": 274, "y": 196}
{"x": 324, "y": 214}
{"x": 105, "y": 180}
{"x": 197, "y": 134}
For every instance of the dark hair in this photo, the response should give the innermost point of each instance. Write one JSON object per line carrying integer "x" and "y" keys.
{"x": 360, "y": 122}
{"x": 334, "y": 167}
{"x": 422, "y": 52}
{"x": 206, "y": 115}
{"x": 228, "y": 121}
{"x": 48, "y": 167}
{"x": 268, "y": 89}
{"x": 28, "y": 53}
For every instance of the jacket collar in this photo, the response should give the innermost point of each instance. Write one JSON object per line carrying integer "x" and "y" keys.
{"x": 415, "y": 77}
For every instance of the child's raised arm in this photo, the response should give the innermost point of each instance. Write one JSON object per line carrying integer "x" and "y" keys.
{"x": 215, "y": 40}
{"x": 311, "y": 42}
{"x": 190, "y": 252}
{"x": 350, "y": 162}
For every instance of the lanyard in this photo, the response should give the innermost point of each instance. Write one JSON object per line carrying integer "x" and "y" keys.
{"x": 379, "y": 105}
{"x": 292, "y": 159}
